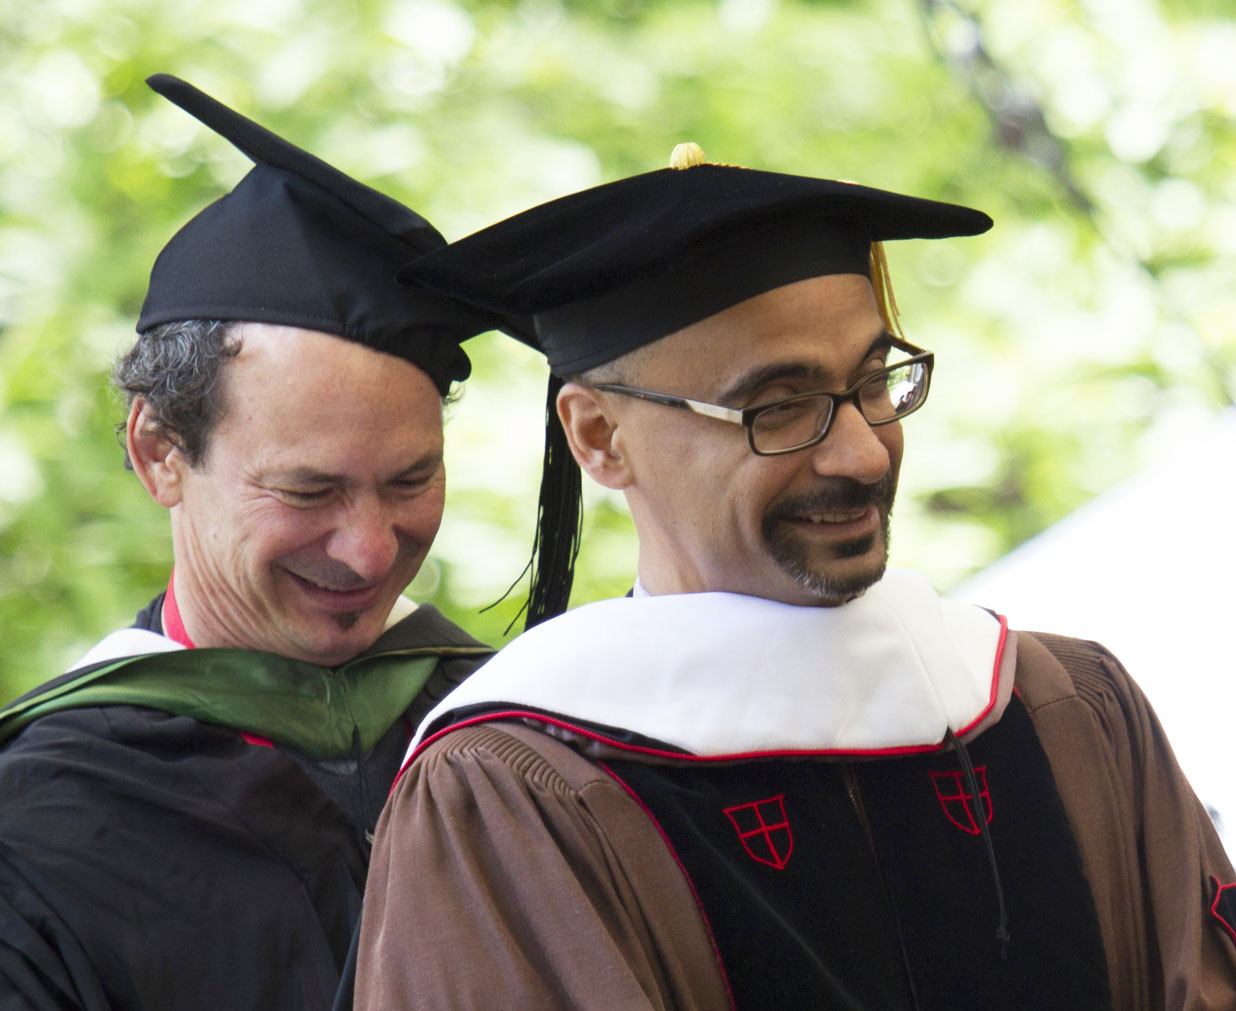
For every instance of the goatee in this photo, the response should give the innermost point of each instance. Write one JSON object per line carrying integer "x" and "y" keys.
{"x": 794, "y": 554}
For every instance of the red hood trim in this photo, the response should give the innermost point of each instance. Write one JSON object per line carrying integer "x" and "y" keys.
{"x": 173, "y": 624}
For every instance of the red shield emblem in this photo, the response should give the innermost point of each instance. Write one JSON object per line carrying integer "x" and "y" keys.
{"x": 1223, "y": 907}
{"x": 958, "y": 804}
{"x": 764, "y": 830}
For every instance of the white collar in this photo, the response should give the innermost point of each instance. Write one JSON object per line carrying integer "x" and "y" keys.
{"x": 721, "y": 674}
{"x": 126, "y": 642}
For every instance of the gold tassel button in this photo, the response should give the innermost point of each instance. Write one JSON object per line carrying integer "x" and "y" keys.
{"x": 687, "y": 155}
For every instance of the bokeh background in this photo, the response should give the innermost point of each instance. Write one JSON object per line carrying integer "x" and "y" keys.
{"x": 1091, "y": 331}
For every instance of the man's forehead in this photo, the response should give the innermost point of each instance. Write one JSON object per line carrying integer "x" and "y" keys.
{"x": 300, "y": 350}
{"x": 298, "y": 469}
{"x": 818, "y": 325}
{"x": 291, "y": 391}
{"x": 343, "y": 455}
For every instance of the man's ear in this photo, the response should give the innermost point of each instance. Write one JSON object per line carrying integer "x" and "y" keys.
{"x": 592, "y": 433}
{"x": 157, "y": 461}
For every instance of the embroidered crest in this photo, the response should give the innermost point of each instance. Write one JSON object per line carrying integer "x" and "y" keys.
{"x": 764, "y": 830}
{"x": 957, "y": 802}
{"x": 1223, "y": 906}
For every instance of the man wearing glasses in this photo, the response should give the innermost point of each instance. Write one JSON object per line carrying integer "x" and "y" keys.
{"x": 777, "y": 775}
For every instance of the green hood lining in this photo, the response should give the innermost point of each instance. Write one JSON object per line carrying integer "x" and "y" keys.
{"x": 316, "y": 710}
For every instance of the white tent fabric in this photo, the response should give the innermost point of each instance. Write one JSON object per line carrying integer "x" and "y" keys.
{"x": 1149, "y": 570}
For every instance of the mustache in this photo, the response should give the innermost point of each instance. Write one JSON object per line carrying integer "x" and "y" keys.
{"x": 837, "y": 493}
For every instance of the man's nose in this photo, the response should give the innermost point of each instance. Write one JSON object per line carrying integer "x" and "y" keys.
{"x": 852, "y": 448}
{"x": 365, "y": 538}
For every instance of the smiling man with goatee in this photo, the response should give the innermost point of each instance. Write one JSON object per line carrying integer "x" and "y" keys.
{"x": 777, "y": 775}
{"x": 186, "y": 816}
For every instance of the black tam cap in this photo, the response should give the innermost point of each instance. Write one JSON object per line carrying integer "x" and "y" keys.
{"x": 602, "y": 272}
{"x": 299, "y": 243}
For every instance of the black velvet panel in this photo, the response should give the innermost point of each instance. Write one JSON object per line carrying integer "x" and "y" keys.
{"x": 879, "y": 892}
{"x": 815, "y": 932}
{"x": 941, "y": 882}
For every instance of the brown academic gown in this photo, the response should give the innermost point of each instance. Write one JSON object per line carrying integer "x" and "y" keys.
{"x": 511, "y": 871}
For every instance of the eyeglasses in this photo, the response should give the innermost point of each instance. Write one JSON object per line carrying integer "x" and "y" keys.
{"x": 802, "y": 421}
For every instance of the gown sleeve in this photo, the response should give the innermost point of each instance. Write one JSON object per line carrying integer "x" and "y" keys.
{"x": 510, "y": 871}
{"x": 1155, "y": 863}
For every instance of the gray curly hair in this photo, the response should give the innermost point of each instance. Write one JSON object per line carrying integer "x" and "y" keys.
{"x": 176, "y": 367}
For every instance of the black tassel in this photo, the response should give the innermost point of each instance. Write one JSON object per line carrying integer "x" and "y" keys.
{"x": 559, "y": 525}
{"x": 560, "y": 517}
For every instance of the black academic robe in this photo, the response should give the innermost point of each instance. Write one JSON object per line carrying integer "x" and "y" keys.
{"x": 153, "y": 860}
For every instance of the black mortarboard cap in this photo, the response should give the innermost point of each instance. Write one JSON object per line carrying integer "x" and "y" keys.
{"x": 299, "y": 243}
{"x": 610, "y": 269}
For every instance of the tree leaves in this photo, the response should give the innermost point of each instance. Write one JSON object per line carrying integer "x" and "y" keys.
{"x": 1099, "y": 310}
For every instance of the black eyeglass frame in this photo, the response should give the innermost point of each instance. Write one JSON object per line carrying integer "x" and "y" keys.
{"x": 746, "y": 416}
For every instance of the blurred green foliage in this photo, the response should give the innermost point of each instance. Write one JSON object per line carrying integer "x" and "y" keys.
{"x": 1087, "y": 330}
